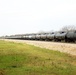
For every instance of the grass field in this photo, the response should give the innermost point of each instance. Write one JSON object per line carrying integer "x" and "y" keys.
{"x": 23, "y": 59}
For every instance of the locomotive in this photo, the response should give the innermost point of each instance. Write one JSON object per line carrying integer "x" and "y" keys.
{"x": 66, "y": 36}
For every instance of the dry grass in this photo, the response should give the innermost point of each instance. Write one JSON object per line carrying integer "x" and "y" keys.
{"x": 24, "y": 59}
{"x": 62, "y": 47}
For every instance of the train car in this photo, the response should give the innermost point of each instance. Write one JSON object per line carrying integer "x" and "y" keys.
{"x": 71, "y": 36}
{"x": 38, "y": 37}
{"x": 43, "y": 36}
{"x": 33, "y": 37}
{"x": 74, "y": 36}
{"x": 60, "y": 36}
{"x": 51, "y": 36}
{"x": 26, "y": 37}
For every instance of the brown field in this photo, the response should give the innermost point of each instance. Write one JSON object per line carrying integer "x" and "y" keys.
{"x": 62, "y": 47}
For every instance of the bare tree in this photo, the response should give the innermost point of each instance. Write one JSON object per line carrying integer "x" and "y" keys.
{"x": 69, "y": 28}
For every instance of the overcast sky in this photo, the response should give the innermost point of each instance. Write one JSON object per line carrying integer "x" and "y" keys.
{"x": 31, "y": 16}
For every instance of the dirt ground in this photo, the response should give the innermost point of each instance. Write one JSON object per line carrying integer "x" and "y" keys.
{"x": 62, "y": 47}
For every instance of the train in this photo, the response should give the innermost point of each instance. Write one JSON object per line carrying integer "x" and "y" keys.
{"x": 62, "y": 36}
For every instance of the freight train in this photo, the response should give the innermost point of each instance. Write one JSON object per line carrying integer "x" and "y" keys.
{"x": 66, "y": 36}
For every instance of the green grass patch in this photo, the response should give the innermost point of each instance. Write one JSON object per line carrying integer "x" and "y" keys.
{"x": 24, "y": 59}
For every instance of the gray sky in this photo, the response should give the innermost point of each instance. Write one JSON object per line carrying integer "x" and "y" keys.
{"x": 31, "y": 16}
